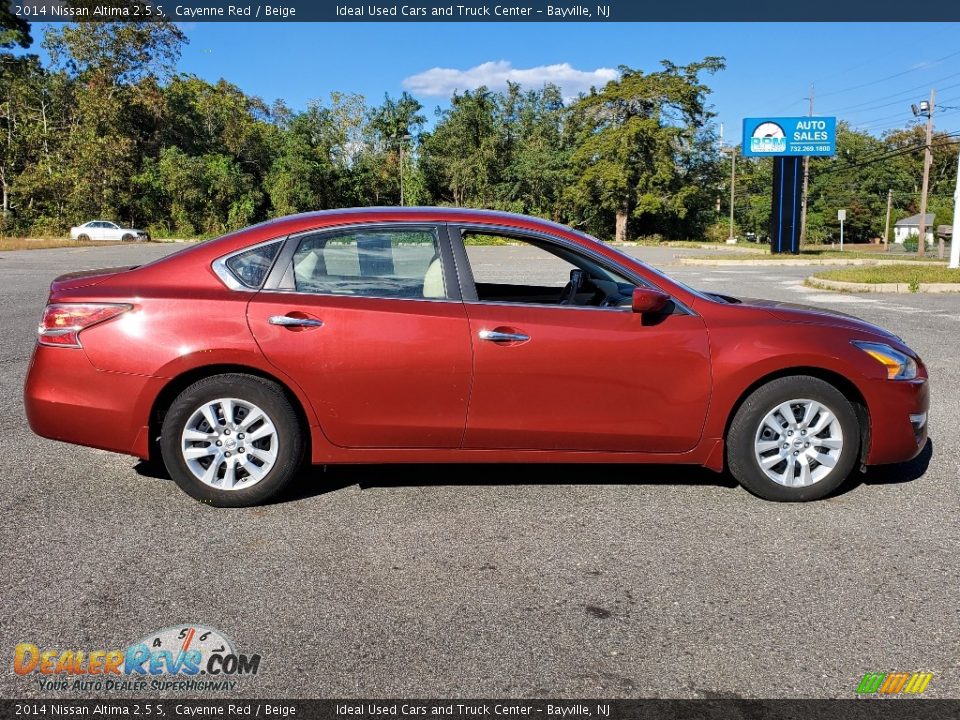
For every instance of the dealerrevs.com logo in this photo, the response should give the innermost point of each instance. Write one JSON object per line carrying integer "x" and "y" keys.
{"x": 186, "y": 658}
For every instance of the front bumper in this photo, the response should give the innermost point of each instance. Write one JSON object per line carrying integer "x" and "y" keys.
{"x": 899, "y": 418}
{"x": 66, "y": 398}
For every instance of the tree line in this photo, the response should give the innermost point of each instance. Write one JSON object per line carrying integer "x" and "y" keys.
{"x": 108, "y": 128}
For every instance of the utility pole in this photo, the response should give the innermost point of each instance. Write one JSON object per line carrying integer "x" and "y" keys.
{"x": 927, "y": 161}
{"x": 886, "y": 229}
{"x": 403, "y": 143}
{"x": 954, "y": 240}
{"x": 806, "y": 182}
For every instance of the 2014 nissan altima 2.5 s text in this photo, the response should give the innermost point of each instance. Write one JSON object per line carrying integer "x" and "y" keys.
{"x": 380, "y": 335}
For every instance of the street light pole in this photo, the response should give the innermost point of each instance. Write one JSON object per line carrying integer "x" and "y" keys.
{"x": 927, "y": 161}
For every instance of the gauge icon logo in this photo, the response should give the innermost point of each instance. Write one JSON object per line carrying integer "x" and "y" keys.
{"x": 768, "y": 137}
{"x": 174, "y": 650}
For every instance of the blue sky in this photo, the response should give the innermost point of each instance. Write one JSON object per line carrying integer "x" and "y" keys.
{"x": 867, "y": 73}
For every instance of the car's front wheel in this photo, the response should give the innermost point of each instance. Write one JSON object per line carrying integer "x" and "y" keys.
{"x": 127, "y": 237}
{"x": 83, "y": 237}
{"x": 796, "y": 438}
{"x": 232, "y": 440}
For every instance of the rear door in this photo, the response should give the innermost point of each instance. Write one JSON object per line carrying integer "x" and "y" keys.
{"x": 369, "y": 321}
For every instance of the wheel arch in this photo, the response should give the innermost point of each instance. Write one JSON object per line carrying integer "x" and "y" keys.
{"x": 839, "y": 381}
{"x": 181, "y": 382}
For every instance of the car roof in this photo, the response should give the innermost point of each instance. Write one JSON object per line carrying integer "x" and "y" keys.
{"x": 320, "y": 218}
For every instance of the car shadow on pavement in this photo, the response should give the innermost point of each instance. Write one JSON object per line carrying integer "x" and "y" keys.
{"x": 891, "y": 474}
{"x": 314, "y": 480}
{"x": 319, "y": 480}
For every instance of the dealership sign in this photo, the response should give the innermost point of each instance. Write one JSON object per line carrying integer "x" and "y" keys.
{"x": 789, "y": 136}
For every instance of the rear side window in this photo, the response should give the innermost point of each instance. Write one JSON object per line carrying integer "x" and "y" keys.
{"x": 251, "y": 267}
{"x": 391, "y": 263}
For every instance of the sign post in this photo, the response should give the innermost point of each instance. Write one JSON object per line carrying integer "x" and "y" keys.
{"x": 787, "y": 140}
{"x": 841, "y": 216}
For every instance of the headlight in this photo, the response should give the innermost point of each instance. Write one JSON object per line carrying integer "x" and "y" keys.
{"x": 899, "y": 365}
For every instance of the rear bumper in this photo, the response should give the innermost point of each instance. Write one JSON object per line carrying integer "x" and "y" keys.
{"x": 899, "y": 416}
{"x": 66, "y": 398}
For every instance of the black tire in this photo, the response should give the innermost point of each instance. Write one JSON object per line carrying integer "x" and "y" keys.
{"x": 127, "y": 237}
{"x": 83, "y": 238}
{"x": 267, "y": 396}
{"x": 743, "y": 433}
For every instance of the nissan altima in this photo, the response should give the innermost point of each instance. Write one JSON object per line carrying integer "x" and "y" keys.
{"x": 378, "y": 336}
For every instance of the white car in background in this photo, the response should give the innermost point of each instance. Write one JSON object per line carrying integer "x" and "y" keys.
{"x": 106, "y": 230}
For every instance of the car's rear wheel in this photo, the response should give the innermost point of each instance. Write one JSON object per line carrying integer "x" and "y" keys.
{"x": 83, "y": 237}
{"x": 796, "y": 438}
{"x": 232, "y": 440}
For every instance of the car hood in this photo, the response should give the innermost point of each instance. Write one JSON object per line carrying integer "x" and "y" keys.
{"x": 85, "y": 278}
{"x": 797, "y": 313}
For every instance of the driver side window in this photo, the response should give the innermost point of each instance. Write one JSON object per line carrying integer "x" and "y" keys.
{"x": 519, "y": 269}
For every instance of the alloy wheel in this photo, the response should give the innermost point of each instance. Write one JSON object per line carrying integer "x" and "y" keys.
{"x": 229, "y": 444}
{"x": 798, "y": 443}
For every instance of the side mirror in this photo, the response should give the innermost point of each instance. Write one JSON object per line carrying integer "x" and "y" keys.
{"x": 647, "y": 300}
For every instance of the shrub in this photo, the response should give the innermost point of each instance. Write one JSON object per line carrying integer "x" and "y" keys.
{"x": 718, "y": 232}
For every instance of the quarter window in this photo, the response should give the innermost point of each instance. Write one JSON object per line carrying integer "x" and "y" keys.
{"x": 251, "y": 267}
{"x": 393, "y": 263}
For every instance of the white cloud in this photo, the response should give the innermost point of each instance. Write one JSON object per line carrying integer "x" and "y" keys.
{"x": 441, "y": 82}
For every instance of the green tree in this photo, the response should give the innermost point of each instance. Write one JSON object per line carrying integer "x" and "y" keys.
{"x": 392, "y": 131}
{"x": 14, "y": 31}
{"x": 626, "y": 163}
{"x": 462, "y": 156}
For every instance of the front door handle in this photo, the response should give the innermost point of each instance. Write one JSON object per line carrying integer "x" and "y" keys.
{"x": 498, "y": 336}
{"x": 301, "y": 322}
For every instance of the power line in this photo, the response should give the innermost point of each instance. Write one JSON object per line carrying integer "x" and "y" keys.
{"x": 911, "y": 91}
{"x": 901, "y": 101}
{"x": 890, "y": 77}
{"x": 895, "y": 153}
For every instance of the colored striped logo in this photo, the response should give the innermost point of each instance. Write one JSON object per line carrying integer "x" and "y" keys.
{"x": 894, "y": 683}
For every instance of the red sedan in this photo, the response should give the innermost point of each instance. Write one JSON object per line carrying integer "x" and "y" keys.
{"x": 373, "y": 336}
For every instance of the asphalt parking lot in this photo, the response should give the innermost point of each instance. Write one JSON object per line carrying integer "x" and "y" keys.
{"x": 485, "y": 581}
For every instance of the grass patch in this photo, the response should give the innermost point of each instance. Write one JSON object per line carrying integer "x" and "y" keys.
{"x": 815, "y": 253}
{"x": 11, "y": 243}
{"x": 908, "y": 274}
{"x": 481, "y": 239}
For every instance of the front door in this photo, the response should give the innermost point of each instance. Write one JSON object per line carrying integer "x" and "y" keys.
{"x": 369, "y": 322}
{"x": 562, "y": 370}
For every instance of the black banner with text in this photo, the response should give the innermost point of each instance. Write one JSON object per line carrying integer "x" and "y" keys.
{"x": 732, "y": 709}
{"x": 473, "y": 11}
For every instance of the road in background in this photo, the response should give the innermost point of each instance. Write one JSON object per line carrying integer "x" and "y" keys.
{"x": 495, "y": 581}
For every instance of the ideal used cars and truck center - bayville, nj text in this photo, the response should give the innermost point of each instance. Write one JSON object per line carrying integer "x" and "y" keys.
{"x": 53, "y": 13}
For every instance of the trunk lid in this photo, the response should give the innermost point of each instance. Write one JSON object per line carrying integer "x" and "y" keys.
{"x": 86, "y": 278}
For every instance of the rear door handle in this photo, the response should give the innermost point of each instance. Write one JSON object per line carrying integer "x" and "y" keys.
{"x": 497, "y": 336}
{"x": 287, "y": 321}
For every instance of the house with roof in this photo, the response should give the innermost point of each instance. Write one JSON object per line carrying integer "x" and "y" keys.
{"x": 903, "y": 229}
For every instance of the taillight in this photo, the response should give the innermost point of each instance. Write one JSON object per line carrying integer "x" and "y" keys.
{"x": 62, "y": 322}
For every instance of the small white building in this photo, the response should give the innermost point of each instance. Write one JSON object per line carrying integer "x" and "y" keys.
{"x": 903, "y": 229}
